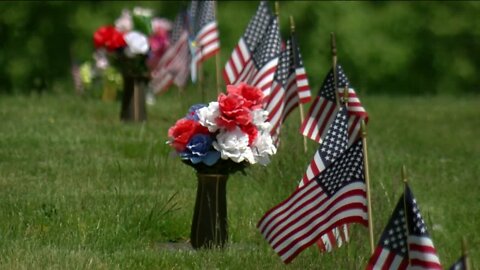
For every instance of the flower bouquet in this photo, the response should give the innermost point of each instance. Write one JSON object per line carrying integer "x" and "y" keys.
{"x": 134, "y": 44}
{"x": 218, "y": 139}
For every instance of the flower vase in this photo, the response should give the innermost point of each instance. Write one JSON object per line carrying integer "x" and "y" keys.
{"x": 133, "y": 99}
{"x": 209, "y": 225}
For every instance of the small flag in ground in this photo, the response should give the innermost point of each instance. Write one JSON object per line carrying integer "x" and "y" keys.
{"x": 405, "y": 242}
{"x": 265, "y": 60}
{"x": 336, "y": 197}
{"x": 241, "y": 57}
{"x": 276, "y": 101}
{"x": 173, "y": 67}
{"x": 460, "y": 264}
{"x": 297, "y": 87}
{"x": 334, "y": 144}
{"x": 204, "y": 33}
{"x": 290, "y": 86}
{"x": 323, "y": 109}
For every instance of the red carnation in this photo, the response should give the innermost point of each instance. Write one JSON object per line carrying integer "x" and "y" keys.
{"x": 252, "y": 132}
{"x": 108, "y": 37}
{"x": 252, "y": 95}
{"x": 182, "y": 132}
{"x": 232, "y": 111}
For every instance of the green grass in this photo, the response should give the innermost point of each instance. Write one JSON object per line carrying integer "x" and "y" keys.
{"x": 81, "y": 190}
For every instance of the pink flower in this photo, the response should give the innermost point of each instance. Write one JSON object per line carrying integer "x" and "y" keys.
{"x": 182, "y": 132}
{"x": 232, "y": 111}
{"x": 252, "y": 95}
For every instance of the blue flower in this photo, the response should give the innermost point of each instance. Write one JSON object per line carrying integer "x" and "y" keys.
{"x": 192, "y": 112}
{"x": 199, "y": 149}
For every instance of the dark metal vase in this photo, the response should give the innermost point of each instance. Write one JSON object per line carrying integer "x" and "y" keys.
{"x": 133, "y": 99}
{"x": 209, "y": 225}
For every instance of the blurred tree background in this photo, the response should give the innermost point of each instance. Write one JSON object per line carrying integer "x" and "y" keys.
{"x": 385, "y": 47}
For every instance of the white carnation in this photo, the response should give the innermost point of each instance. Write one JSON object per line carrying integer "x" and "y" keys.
{"x": 124, "y": 22}
{"x": 259, "y": 119}
{"x": 234, "y": 145}
{"x": 137, "y": 43}
{"x": 263, "y": 148}
{"x": 139, "y": 11}
{"x": 207, "y": 116}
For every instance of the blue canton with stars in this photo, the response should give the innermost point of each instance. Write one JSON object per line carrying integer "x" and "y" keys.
{"x": 296, "y": 55}
{"x": 402, "y": 223}
{"x": 179, "y": 25}
{"x": 416, "y": 224}
{"x": 328, "y": 87}
{"x": 205, "y": 14}
{"x": 269, "y": 46}
{"x": 281, "y": 74}
{"x": 258, "y": 26}
{"x": 346, "y": 169}
{"x": 394, "y": 236}
{"x": 336, "y": 139}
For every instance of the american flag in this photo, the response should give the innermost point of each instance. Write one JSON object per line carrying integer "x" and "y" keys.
{"x": 204, "y": 33}
{"x": 460, "y": 264}
{"x": 336, "y": 197}
{"x": 276, "y": 101}
{"x": 173, "y": 67}
{"x": 290, "y": 86}
{"x": 241, "y": 66}
{"x": 322, "y": 111}
{"x": 333, "y": 145}
{"x": 297, "y": 87}
{"x": 405, "y": 242}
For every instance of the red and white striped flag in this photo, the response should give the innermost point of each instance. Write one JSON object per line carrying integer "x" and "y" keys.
{"x": 333, "y": 145}
{"x": 290, "y": 86}
{"x": 324, "y": 106}
{"x": 204, "y": 36}
{"x": 297, "y": 87}
{"x": 255, "y": 58}
{"x": 275, "y": 103}
{"x": 173, "y": 67}
{"x": 405, "y": 243}
{"x": 337, "y": 196}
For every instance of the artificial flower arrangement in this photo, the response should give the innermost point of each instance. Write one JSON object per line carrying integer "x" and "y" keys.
{"x": 134, "y": 44}
{"x": 226, "y": 135}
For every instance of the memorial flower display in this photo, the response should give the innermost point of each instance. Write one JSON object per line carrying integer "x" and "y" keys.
{"x": 226, "y": 135}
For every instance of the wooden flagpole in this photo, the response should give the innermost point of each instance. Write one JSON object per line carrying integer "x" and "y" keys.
{"x": 334, "y": 66}
{"x": 465, "y": 254}
{"x": 277, "y": 10}
{"x": 200, "y": 76}
{"x": 217, "y": 57}
{"x": 367, "y": 182}
{"x": 300, "y": 105}
{"x": 405, "y": 182}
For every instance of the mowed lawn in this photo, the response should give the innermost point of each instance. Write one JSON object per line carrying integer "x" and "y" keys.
{"x": 81, "y": 190}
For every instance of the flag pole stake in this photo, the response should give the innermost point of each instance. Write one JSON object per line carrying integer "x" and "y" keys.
{"x": 334, "y": 65}
{"x": 200, "y": 77}
{"x": 345, "y": 95}
{"x": 277, "y": 9}
{"x": 405, "y": 183}
{"x": 367, "y": 182}
{"x": 300, "y": 105}
{"x": 217, "y": 58}
{"x": 465, "y": 254}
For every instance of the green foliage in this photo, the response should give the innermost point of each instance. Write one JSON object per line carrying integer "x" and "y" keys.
{"x": 385, "y": 47}
{"x": 81, "y": 190}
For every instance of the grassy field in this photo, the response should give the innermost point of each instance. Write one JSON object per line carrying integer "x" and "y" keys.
{"x": 81, "y": 190}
